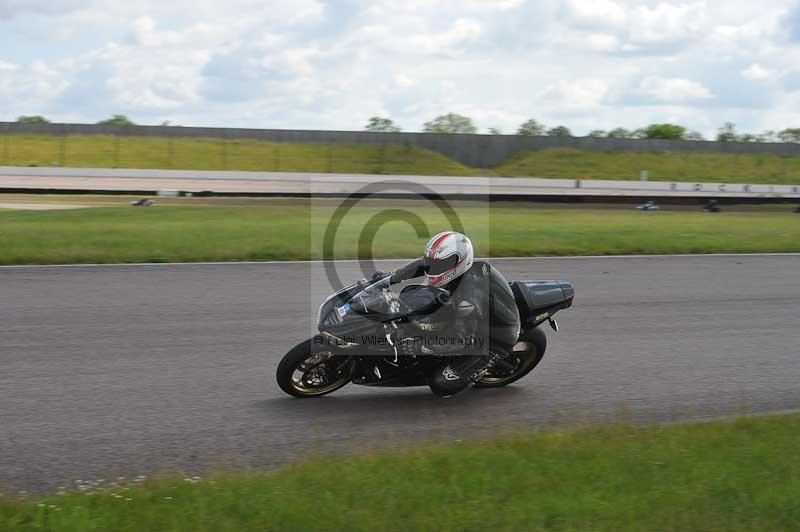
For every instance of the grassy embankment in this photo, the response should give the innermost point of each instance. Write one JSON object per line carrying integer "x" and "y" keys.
{"x": 661, "y": 166}
{"x": 219, "y": 154}
{"x": 293, "y": 230}
{"x": 740, "y": 475}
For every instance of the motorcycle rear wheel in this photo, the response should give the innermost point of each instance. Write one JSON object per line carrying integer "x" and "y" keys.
{"x": 526, "y": 355}
{"x": 311, "y": 370}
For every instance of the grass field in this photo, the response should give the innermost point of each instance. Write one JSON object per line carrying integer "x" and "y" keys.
{"x": 661, "y": 166}
{"x": 251, "y": 155}
{"x": 219, "y": 154}
{"x": 293, "y": 229}
{"x": 740, "y": 475}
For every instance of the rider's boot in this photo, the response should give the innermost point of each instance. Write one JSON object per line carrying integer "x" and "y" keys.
{"x": 460, "y": 372}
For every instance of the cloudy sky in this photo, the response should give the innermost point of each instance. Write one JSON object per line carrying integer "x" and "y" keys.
{"x": 321, "y": 64}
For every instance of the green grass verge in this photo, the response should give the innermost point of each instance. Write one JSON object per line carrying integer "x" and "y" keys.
{"x": 219, "y": 154}
{"x": 740, "y": 475}
{"x": 295, "y": 231}
{"x": 662, "y": 166}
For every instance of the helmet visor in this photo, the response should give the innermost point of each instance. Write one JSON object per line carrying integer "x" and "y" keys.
{"x": 439, "y": 266}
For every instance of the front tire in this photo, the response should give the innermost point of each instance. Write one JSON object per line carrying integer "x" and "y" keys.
{"x": 525, "y": 356}
{"x": 311, "y": 370}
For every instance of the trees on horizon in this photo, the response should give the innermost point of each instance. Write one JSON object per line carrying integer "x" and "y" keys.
{"x": 453, "y": 123}
{"x": 117, "y": 120}
{"x": 35, "y": 119}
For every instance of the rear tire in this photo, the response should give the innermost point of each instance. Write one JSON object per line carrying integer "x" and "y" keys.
{"x": 527, "y": 353}
{"x": 312, "y": 369}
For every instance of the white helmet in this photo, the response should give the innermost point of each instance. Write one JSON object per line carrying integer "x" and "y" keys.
{"x": 447, "y": 256}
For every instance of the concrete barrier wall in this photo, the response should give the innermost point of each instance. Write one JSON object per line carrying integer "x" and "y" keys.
{"x": 100, "y": 179}
{"x": 478, "y": 151}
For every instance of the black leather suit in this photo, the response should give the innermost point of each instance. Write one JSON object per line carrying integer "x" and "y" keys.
{"x": 482, "y": 309}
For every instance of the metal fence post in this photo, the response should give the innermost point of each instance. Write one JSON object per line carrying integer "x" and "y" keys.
{"x": 171, "y": 150}
{"x": 116, "y": 150}
{"x": 225, "y": 150}
{"x": 6, "y": 138}
{"x": 62, "y": 148}
{"x": 382, "y": 154}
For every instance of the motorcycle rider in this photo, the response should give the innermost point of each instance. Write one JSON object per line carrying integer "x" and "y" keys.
{"x": 480, "y": 309}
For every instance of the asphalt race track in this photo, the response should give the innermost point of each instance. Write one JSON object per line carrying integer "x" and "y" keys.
{"x": 127, "y": 370}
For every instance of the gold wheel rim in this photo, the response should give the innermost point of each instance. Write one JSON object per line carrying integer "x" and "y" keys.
{"x": 310, "y": 377}
{"x": 518, "y": 347}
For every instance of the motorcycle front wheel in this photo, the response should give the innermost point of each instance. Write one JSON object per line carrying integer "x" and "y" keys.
{"x": 526, "y": 355}
{"x": 312, "y": 369}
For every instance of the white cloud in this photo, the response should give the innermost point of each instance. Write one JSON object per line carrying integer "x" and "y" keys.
{"x": 157, "y": 69}
{"x": 667, "y": 23}
{"x": 581, "y": 94}
{"x": 28, "y": 85}
{"x": 601, "y": 42}
{"x": 300, "y": 61}
{"x": 14, "y": 8}
{"x": 756, "y": 72}
{"x": 610, "y": 25}
{"x": 463, "y": 31}
{"x": 596, "y": 13}
{"x": 501, "y": 5}
{"x": 404, "y": 81}
{"x": 673, "y": 89}
{"x": 412, "y": 38}
{"x": 144, "y": 34}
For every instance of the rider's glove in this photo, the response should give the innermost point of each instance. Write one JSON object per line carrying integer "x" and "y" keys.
{"x": 406, "y": 344}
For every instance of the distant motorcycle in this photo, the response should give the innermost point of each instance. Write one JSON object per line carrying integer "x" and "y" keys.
{"x": 358, "y": 340}
{"x": 649, "y": 206}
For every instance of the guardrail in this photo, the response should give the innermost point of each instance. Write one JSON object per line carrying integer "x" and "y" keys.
{"x": 145, "y": 181}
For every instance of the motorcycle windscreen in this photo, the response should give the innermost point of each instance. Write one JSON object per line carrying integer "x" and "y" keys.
{"x": 377, "y": 299}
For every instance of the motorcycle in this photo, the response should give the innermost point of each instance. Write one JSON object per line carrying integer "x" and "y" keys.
{"x": 359, "y": 338}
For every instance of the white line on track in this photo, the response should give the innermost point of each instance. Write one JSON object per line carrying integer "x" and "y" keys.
{"x": 290, "y": 262}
